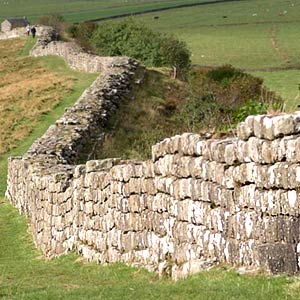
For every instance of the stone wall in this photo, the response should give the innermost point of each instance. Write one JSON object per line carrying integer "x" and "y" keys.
{"x": 74, "y": 55}
{"x": 196, "y": 203}
{"x": 17, "y": 32}
{"x": 20, "y": 32}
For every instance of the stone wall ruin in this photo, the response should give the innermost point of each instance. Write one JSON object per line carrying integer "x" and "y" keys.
{"x": 196, "y": 203}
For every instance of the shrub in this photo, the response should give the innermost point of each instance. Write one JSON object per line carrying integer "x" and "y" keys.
{"x": 82, "y": 32}
{"x": 231, "y": 87}
{"x": 54, "y": 20}
{"x": 132, "y": 38}
{"x": 251, "y": 107}
{"x": 223, "y": 73}
{"x": 219, "y": 98}
{"x": 129, "y": 38}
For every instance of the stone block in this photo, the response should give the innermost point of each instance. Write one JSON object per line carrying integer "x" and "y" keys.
{"x": 278, "y": 257}
{"x": 283, "y": 125}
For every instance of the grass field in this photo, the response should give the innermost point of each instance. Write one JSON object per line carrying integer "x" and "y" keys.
{"x": 285, "y": 83}
{"x": 80, "y": 10}
{"x": 229, "y": 32}
{"x": 252, "y": 34}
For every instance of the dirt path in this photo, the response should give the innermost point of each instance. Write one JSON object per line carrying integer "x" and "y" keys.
{"x": 276, "y": 47}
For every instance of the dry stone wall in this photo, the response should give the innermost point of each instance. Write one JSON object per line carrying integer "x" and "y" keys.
{"x": 21, "y": 32}
{"x": 196, "y": 203}
{"x": 17, "y": 32}
{"x": 74, "y": 55}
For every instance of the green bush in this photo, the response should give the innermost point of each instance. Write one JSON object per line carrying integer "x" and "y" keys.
{"x": 219, "y": 99}
{"x": 82, "y": 32}
{"x": 230, "y": 87}
{"x": 54, "y": 20}
{"x": 132, "y": 38}
{"x": 175, "y": 54}
{"x": 251, "y": 107}
{"x": 223, "y": 73}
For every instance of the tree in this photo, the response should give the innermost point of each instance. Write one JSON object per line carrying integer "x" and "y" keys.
{"x": 176, "y": 55}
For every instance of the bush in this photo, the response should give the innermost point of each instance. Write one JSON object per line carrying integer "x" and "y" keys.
{"x": 176, "y": 54}
{"x": 132, "y": 38}
{"x": 231, "y": 87}
{"x": 219, "y": 98}
{"x": 129, "y": 38}
{"x": 224, "y": 73}
{"x": 251, "y": 107}
{"x": 54, "y": 20}
{"x": 82, "y": 32}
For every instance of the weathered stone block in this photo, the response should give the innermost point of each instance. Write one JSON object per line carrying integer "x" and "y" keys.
{"x": 278, "y": 257}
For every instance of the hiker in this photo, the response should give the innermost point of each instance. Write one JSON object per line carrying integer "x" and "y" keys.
{"x": 28, "y": 29}
{"x": 33, "y": 31}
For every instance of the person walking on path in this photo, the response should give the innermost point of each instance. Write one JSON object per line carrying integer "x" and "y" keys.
{"x": 28, "y": 29}
{"x": 33, "y": 31}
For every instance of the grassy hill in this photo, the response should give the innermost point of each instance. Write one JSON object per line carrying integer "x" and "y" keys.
{"x": 33, "y": 93}
{"x": 259, "y": 36}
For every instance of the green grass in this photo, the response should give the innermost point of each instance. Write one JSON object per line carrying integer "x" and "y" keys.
{"x": 251, "y": 34}
{"x": 58, "y": 66}
{"x": 240, "y": 39}
{"x": 285, "y": 83}
{"x": 80, "y": 10}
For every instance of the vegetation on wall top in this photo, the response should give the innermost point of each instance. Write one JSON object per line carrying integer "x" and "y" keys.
{"x": 132, "y": 38}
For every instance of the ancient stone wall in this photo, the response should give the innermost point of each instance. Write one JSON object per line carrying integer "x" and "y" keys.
{"x": 72, "y": 53}
{"x": 196, "y": 203}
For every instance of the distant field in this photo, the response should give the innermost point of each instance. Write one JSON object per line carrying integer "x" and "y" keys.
{"x": 247, "y": 34}
{"x": 254, "y": 35}
{"x": 80, "y": 10}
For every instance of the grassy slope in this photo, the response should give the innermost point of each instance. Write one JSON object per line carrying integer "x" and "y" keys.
{"x": 140, "y": 123}
{"x": 250, "y": 34}
{"x": 24, "y": 117}
{"x": 163, "y": 107}
{"x": 74, "y": 10}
